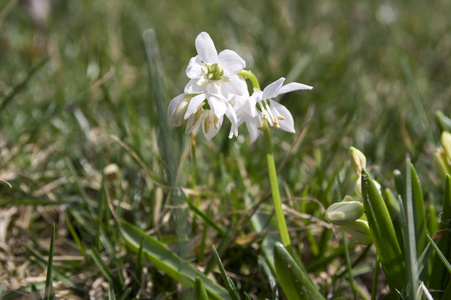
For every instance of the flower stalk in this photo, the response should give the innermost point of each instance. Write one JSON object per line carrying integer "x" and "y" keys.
{"x": 280, "y": 217}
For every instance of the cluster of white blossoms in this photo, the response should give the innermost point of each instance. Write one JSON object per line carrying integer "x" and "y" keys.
{"x": 217, "y": 89}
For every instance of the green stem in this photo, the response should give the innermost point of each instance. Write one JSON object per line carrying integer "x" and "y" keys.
{"x": 281, "y": 223}
{"x": 252, "y": 78}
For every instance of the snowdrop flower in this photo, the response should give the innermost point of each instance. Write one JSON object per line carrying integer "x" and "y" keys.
{"x": 214, "y": 74}
{"x": 187, "y": 107}
{"x": 213, "y": 77}
{"x": 213, "y": 84}
{"x": 261, "y": 107}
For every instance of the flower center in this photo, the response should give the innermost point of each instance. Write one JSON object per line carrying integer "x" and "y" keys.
{"x": 269, "y": 113}
{"x": 213, "y": 71}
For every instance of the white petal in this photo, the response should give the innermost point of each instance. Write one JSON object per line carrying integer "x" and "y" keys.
{"x": 294, "y": 86}
{"x": 217, "y": 106}
{"x": 272, "y": 90}
{"x": 252, "y": 127}
{"x": 235, "y": 86}
{"x": 173, "y": 104}
{"x": 288, "y": 123}
{"x": 194, "y": 104}
{"x": 230, "y": 113}
{"x": 214, "y": 88}
{"x": 193, "y": 88}
{"x": 194, "y": 121}
{"x": 231, "y": 62}
{"x": 194, "y": 68}
{"x": 176, "y": 113}
{"x": 212, "y": 130}
{"x": 206, "y": 48}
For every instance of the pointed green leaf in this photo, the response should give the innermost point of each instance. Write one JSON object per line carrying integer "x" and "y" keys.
{"x": 228, "y": 282}
{"x": 164, "y": 259}
{"x": 439, "y": 275}
{"x": 272, "y": 280}
{"x": 419, "y": 212}
{"x": 294, "y": 282}
{"x": 49, "y": 293}
{"x": 199, "y": 290}
{"x": 383, "y": 233}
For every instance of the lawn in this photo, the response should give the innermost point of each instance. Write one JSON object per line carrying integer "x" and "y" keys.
{"x": 101, "y": 198}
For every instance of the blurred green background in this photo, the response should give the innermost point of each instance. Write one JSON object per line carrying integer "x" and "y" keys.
{"x": 73, "y": 73}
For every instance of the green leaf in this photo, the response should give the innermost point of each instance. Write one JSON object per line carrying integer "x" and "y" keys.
{"x": 419, "y": 212}
{"x": 294, "y": 282}
{"x": 200, "y": 293}
{"x": 228, "y": 282}
{"x": 383, "y": 232}
{"x": 411, "y": 230}
{"x": 440, "y": 254}
{"x": 49, "y": 292}
{"x": 164, "y": 259}
{"x": 272, "y": 280}
{"x": 439, "y": 275}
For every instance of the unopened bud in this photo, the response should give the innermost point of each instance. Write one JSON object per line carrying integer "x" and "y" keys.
{"x": 178, "y": 110}
{"x": 344, "y": 213}
{"x": 446, "y": 143}
{"x": 442, "y": 167}
{"x": 358, "y": 160}
{"x": 360, "y": 231}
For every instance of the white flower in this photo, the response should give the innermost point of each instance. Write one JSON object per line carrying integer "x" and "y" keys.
{"x": 260, "y": 107}
{"x": 214, "y": 79}
{"x": 192, "y": 108}
{"x": 214, "y": 74}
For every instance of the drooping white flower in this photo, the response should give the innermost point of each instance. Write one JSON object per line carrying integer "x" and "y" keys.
{"x": 260, "y": 106}
{"x": 193, "y": 108}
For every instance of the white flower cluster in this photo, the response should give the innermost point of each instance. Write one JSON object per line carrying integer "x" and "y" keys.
{"x": 216, "y": 89}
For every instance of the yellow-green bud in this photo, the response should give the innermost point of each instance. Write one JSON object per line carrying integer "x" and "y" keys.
{"x": 358, "y": 160}
{"x": 360, "y": 231}
{"x": 344, "y": 213}
{"x": 442, "y": 168}
{"x": 446, "y": 143}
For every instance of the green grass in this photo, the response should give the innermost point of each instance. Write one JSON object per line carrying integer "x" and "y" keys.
{"x": 86, "y": 145}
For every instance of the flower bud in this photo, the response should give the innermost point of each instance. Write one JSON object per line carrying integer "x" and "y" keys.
{"x": 177, "y": 109}
{"x": 442, "y": 168}
{"x": 360, "y": 231}
{"x": 358, "y": 160}
{"x": 446, "y": 143}
{"x": 344, "y": 213}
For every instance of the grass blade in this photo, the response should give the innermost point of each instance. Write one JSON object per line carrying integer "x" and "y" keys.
{"x": 199, "y": 290}
{"x": 17, "y": 89}
{"x": 438, "y": 277}
{"x": 49, "y": 292}
{"x": 272, "y": 280}
{"x": 228, "y": 282}
{"x": 375, "y": 280}
{"x": 167, "y": 261}
{"x": 419, "y": 214}
{"x": 294, "y": 282}
{"x": 75, "y": 237}
{"x": 383, "y": 234}
{"x": 440, "y": 254}
{"x": 411, "y": 230}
